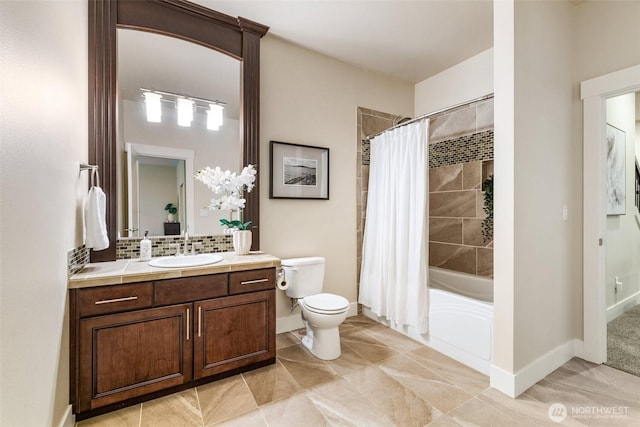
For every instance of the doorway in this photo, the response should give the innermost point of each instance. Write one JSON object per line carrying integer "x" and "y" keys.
{"x": 595, "y": 93}
{"x": 622, "y": 238}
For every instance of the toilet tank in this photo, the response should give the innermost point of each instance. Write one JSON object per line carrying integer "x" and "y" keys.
{"x": 304, "y": 275}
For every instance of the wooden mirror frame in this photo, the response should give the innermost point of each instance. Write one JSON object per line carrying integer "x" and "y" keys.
{"x": 236, "y": 37}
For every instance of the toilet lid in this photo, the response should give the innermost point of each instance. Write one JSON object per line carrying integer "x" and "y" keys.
{"x": 326, "y": 303}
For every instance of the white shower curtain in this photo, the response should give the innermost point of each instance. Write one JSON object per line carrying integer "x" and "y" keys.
{"x": 393, "y": 279}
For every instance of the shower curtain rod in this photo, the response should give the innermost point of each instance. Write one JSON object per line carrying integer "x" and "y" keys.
{"x": 433, "y": 113}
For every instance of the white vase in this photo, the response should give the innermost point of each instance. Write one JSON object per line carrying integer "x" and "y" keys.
{"x": 171, "y": 218}
{"x": 242, "y": 241}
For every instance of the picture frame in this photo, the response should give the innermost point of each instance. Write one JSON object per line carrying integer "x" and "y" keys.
{"x": 616, "y": 147}
{"x": 298, "y": 171}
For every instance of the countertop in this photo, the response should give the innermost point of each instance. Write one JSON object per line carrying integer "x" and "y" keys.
{"x": 134, "y": 270}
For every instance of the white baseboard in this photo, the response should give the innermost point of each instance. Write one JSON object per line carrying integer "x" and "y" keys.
{"x": 68, "y": 420}
{"x": 289, "y": 323}
{"x": 578, "y": 349}
{"x": 294, "y": 321}
{"x": 502, "y": 380}
{"x": 515, "y": 384}
{"x": 624, "y": 305}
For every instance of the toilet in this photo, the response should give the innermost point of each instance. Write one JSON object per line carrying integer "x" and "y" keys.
{"x": 322, "y": 313}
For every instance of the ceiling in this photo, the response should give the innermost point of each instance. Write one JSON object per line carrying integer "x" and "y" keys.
{"x": 410, "y": 40}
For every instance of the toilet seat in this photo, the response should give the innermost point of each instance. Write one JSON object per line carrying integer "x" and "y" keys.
{"x": 326, "y": 303}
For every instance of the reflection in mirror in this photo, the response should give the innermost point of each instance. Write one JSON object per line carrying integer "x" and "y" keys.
{"x": 157, "y": 62}
{"x": 157, "y": 177}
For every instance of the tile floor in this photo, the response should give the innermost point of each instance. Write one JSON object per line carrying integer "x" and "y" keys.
{"x": 386, "y": 379}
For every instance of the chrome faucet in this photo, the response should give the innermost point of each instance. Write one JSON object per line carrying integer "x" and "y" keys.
{"x": 177, "y": 246}
{"x": 186, "y": 243}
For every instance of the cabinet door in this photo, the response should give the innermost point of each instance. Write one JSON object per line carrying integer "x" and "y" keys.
{"x": 233, "y": 332}
{"x": 130, "y": 354}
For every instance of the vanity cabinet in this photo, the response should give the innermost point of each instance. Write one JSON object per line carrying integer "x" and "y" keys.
{"x": 130, "y": 354}
{"x": 137, "y": 341}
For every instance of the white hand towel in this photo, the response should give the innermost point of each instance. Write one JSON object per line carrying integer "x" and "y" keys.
{"x": 94, "y": 220}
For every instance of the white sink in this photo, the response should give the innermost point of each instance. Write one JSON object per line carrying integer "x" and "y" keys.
{"x": 185, "y": 261}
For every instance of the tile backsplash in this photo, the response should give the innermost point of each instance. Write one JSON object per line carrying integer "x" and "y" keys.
{"x": 160, "y": 246}
{"x": 78, "y": 258}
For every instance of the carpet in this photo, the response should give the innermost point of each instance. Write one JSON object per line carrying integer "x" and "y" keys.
{"x": 623, "y": 342}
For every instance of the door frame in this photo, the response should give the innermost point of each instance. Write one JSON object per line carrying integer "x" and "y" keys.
{"x": 594, "y": 93}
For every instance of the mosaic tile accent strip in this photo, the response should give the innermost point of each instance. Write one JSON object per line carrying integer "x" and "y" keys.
{"x": 130, "y": 248}
{"x": 465, "y": 149}
{"x": 76, "y": 259}
{"x": 366, "y": 152}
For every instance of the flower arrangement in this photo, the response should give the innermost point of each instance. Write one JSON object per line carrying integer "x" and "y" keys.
{"x": 229, "y": 187}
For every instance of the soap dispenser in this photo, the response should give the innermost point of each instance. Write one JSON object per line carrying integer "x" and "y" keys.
{"x": 145, "y": 248}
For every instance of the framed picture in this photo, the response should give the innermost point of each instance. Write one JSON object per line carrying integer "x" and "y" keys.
{"x": 616, "y": 147}
{"x": 298, "y": 171}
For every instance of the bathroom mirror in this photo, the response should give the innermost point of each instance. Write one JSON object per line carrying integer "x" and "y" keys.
{"x": 149, "y": 152}
{"x": 238, "y": 38}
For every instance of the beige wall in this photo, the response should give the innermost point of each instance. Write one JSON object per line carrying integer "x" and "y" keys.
{"x": 310, "y": 99}
{"x": 536, "y": 290}
{"x": 607, "y": 37}
{"x": 546, "y": 291}
{"x": 44, "y": 136}
{"x": 463, "y": 82}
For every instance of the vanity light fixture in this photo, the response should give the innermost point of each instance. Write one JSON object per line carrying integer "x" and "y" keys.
{"x": 214, "y": 116}
{"x": 185, "y": 105}
{"x": 152, "y": 102}
{"x": 185, "y": 111}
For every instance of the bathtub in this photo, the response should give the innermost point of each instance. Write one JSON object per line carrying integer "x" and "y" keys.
{"x": 460, "y": 318}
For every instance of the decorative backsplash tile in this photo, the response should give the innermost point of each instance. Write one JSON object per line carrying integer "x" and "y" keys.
{"x": 160, "y": 246}
{"x": 366, "y": 152}
{"x": 76, "y": 259}
{"x": 465, "y": 149}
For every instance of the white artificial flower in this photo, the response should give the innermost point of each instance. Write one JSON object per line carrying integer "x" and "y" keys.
{"x": 228, "y": 185}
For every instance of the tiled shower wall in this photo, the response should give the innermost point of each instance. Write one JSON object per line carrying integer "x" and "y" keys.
{"x": 460, "y": 159}
{"x": 370, "y": 122}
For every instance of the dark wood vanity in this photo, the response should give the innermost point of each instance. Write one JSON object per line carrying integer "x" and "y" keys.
{"x": 136, "y": 341}
{"x": 144, "y": 333}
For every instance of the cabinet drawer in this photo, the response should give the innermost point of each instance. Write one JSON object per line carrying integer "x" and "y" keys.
{"x": 113, "y": 299}
{"x": 252, "y": 280}
{"x": 188, "y": 289}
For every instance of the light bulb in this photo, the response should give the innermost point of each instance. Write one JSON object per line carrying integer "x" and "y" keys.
{"x": 185, "y": 112}
{"x": 214, "y": 116}
{"x": 152, "y": 103}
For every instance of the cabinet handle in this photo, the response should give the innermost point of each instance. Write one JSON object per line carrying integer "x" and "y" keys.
{"x": 199, "y": 321}
{"x": 187, "y": 324}
{"x": 250, "y": 282}
{"x": 109, "y": 301}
